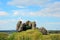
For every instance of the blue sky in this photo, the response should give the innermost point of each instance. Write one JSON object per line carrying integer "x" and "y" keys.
{"x": 46, "y": 13}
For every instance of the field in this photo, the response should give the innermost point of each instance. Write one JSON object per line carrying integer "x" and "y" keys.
{"x": 51, "y": 37}
{"x": 29, "y": 35}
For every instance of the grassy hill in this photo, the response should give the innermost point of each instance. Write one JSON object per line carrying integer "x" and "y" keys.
{"x": 29, "y": 35}
{"x": 26, "y": 35}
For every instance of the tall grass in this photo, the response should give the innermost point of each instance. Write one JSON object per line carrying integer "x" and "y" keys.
{"x": 51, "y": 37}
{"x": 26, "y": 35}
{"x": 29, "y": 35}
{"x": 55, "y": 36}
{"x": 3, "y": 36}
{"x": 46, "y": 37}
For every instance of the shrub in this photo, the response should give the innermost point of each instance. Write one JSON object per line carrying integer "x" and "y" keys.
{"x": 3, "y": 36}
{"x": 26, "y": 35}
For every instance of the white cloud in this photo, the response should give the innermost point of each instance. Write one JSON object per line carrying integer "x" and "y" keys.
{"x": 2, "y": 13}
{"x": 15, "y": 13}
{"x": 28, "y": 2}
{"x": 53, "y": 23}
{"x": 51, "y": 10}
{"x": 2, "y": 22}
{"x": 20, "y": 6}
{"x": 19, "y": 13}
{"x": 9, "y": 22}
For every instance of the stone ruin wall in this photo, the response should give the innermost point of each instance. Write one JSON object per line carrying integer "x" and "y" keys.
{"x": 21, "y": 25}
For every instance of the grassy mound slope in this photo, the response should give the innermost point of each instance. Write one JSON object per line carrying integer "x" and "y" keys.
{"x": 26, "y": 35}
{"x": 3, "y": 36}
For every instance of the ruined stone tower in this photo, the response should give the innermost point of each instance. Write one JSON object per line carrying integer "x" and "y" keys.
{"x": 33, "y": 25}
{"x": 19, "y": 26}
{"x": 28, "y": 23}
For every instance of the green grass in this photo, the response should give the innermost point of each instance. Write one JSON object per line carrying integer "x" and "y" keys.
{"x": 29, "y": 35}
{"x": 3, "y": 36}
{"x": 51, "y": 37}
{"x": 46, "y": 37}
{"x": 26, "y": 35}
{"x": 55, "y": 36}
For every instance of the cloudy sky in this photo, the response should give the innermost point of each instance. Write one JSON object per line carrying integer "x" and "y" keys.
{"x": 46, "y": 13}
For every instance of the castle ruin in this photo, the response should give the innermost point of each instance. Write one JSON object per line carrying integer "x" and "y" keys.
{"x": 25, "y": 26}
